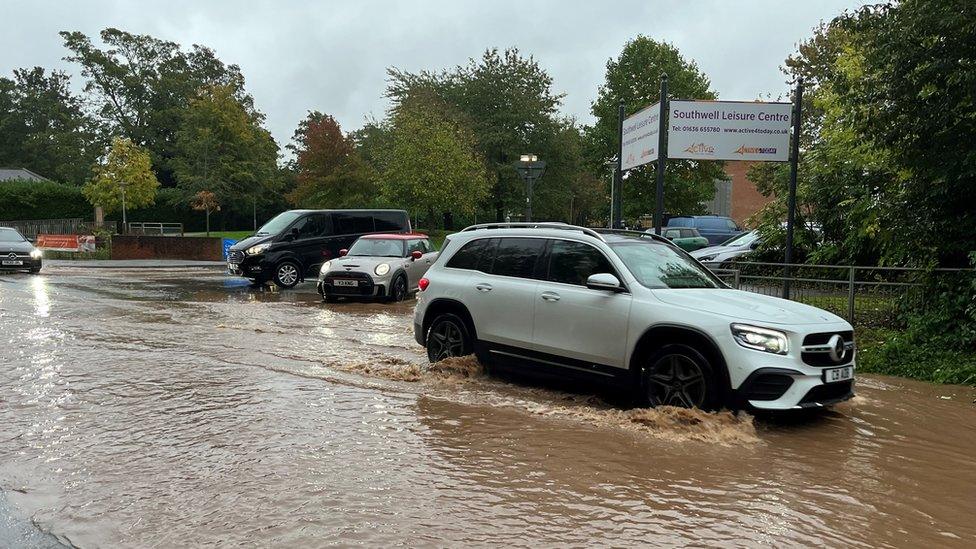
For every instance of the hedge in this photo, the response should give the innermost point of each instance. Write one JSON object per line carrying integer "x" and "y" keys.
{"x": 21, "y": 199}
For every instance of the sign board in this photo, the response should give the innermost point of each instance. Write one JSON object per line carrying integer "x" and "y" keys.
{"x": 638, "y": 140}
{"x": 227, "y": 243}
{"x": 66, "y": 242}
{"x": 729, "y": 130}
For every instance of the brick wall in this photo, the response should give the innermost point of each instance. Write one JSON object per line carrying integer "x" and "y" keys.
{"x": 746, "y": 200}
{"x": 167, "y": 247}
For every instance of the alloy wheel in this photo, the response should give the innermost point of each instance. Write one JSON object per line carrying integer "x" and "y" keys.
{"x": 676, "y": 380}
{"x": 399, "y": 289}
{"x": 446, "y": 340}
{"x": 288, "y": 274}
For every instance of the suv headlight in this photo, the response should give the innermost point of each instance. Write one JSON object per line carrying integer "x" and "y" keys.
{"x": 760, "y": 339}
{"x": 382, "y": 269}
{"x": 36, "y": 254}
{"x": 325, "y": 268}
{"x": 258, "y": 249}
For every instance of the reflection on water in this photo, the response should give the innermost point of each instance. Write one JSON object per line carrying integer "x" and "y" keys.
{"x": 184, "y": 408}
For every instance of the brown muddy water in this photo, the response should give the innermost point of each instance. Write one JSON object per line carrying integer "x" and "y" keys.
{"x": 145, "y": 408}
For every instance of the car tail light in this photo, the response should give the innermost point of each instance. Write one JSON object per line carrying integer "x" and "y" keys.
{"x": 423, "y": 283}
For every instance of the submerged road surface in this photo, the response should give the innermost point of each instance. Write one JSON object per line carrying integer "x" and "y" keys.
{"x": 162, "y": 408}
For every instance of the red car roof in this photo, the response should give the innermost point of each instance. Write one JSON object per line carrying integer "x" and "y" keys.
{"x": 395, "y": 236}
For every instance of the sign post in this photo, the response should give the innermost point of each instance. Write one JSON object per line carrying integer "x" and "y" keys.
{"x": 791, "y": 201}
{"x": 616, "y": 200}
{"x": 662, "y": 157}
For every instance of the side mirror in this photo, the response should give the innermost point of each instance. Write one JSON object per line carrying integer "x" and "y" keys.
{"x": 343, "y": 252}
{"x": 604, "y": 281}
{"x": 416, "y": 254}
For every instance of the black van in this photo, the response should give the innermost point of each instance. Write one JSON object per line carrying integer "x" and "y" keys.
{"x": 294, "y": 244}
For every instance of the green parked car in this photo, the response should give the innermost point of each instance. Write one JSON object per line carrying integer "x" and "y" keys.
{"x": 687, "y": 238}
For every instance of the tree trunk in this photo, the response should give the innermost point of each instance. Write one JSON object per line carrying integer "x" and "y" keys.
{"x": 208, "y": 222}
{"x": 448, "y": 221}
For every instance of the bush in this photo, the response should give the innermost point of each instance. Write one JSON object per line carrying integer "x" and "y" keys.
{"x": 42, "y": 200}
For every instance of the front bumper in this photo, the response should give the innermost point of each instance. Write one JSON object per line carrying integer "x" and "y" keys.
{"x": 366, "y": 285}
{"x": 26, "y": 263}
{"x": 248, "y": 266}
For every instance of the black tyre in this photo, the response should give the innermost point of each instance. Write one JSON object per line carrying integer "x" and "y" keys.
{"x": 330, "y": 298}
{"x": 678, "y": 375}
{"x": 448, "y": 337}
{"x": 398, "y": 290}
{"x": 35, "y": 270}
{"x": 287, "y": 274}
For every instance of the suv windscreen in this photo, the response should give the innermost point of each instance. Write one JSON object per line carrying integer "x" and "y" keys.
{"x": 11, "y": 236}
{"x": 659, "y": 266}
{"x": 278, "y": 223}
{"x": 574, "y": 262}
{"x": 377, "y": 247}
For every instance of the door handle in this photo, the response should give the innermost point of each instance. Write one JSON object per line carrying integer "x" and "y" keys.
{"x": 483, "y": 287}
{"x": 550, "y": 296}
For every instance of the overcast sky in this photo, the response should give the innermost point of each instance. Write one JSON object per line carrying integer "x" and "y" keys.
{"x": 332, "y": 56}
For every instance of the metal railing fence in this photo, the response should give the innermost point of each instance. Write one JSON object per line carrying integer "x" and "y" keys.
{"x": 33, "y": 227}
{"x": 864, "y": 295}
{"x": 152, "y": 228}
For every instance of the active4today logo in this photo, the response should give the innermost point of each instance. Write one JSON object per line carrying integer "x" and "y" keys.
{"x": 743, "y": 150}
{"x": 700, "y": 148}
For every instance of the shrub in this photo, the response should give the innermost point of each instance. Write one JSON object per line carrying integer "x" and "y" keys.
{"x": 21, "y": 199}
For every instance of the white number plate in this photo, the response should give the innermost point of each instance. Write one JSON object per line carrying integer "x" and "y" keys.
{"x": 12, "y": 262}
{"x": 340, "y": 282}
{"x": 838, "y": 374}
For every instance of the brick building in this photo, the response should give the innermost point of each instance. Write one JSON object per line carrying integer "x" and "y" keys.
{"x": 736, "y": 196}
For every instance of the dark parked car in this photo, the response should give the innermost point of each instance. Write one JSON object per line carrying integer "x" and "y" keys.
{"x": 715, "y": 228}
{"x": 17, "y": 253}
{"x": 294, "y": 244}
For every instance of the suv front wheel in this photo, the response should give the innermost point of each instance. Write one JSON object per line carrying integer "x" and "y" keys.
{"x": 678, "y": 375}
{"x": 448, "y": 337}
{"x": 287, "y": 274}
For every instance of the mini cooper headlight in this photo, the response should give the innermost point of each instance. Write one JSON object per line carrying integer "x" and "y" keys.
{"x": 258, "y": 249}
{"x": 36, "y": 254}
{"x": 325, "y": 268}
{"x": 760, "y": 339}
{"x": 382, "y": 269}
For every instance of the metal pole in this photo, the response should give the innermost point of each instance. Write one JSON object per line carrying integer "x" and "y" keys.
{"x": 791, "y": 202}
{"x": 850, "y": 297}
{"x": 662, "y": 155}
{"x": 528, "y": 197}
{"x": 254, "y": 213}
{"x": 618, "y": 176}
{"x": 125, "y": 226}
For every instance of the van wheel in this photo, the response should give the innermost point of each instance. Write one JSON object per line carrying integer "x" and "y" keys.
{"x": 448, "y": 337}
{"x": 286, "y": 274}
{"x": 398, "y": 292}
{"x": 677, "y": 375}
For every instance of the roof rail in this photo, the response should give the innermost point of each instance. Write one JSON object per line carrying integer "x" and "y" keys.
{"x": 642, "y": 234}
{"x": 531, "y": 225}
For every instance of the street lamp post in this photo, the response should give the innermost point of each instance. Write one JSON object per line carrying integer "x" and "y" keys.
{"x": 125, "y": 226}
{"x": 531, "y": 169}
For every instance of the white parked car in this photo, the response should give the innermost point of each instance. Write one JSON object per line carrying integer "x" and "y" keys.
{"x": 728, "y": 251}
{"x": 631, "y": 309}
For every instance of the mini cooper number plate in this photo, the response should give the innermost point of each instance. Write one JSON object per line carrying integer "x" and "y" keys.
{"x": 340, "y": 282}
{"x": 838, "y": 374}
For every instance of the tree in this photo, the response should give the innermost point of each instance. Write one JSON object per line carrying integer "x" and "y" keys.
{"x": 205, "y": 201}
{"x": 633, "y": 78}
{"x": 509, "y": 104}
{"x": 433, "y": 164}
{"x": 140, "y": 86}
{"x": 125, "y": 175}
{"x": 44, "y": 127}
{"x": 222, "y": 148}
{"x": 329, "y": 171}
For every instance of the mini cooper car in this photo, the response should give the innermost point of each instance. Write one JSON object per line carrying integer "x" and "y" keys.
{"x": 17, "y": 253}
{"x": 387, "y": 266}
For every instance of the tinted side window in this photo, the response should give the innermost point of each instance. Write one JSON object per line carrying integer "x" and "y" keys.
{"x": 390, "y": 221}
{"x": 353, "y": 223}
{"x": 680, "y": 222}
{"x": 517, "y": 256}
{"x": 469, "y": 255}
{"x": 574, "y": 262}
{"x": 713, "y": 224}
{"x": 316, "y": 225}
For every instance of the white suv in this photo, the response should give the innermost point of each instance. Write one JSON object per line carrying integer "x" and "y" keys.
{"x": 631, "y": 309}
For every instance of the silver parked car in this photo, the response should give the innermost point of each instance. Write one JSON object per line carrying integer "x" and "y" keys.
{"x": 387, "y": 266}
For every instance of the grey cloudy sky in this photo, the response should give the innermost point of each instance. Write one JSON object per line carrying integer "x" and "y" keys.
{"x": 332, "y": 56}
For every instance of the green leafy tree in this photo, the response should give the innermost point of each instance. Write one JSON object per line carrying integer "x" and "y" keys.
{"x": 127, "y": 169}
{"x": 141, "y": 85}
{"x": 633, "y": 78}
{"x": 44, "y": 127}
{"x": 433, "y": 164}
{"x": 221, "y": 147}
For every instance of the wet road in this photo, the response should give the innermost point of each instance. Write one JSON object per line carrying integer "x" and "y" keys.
{"x": 150, "y": 408}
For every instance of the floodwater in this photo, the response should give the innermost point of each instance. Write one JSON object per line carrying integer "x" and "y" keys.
{"x": 151, "y": 408}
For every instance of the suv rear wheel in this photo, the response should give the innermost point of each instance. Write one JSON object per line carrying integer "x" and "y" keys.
{"x": 287, "y": 274}
{"x": 448, "y": 336}
{"x": 677, "y": 375}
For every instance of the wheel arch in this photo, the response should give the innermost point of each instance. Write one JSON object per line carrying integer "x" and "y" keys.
{"x": 443, "y": 305}
{"x": 659, "y": 335}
